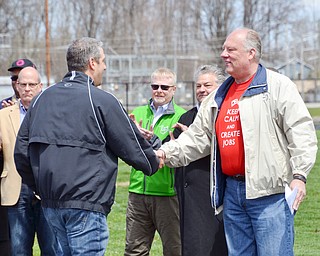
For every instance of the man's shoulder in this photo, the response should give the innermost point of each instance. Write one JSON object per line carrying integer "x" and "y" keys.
{"x": 178, "y": 109}
{"x": 140, "y": 108}
{"x": 209, "y": 99}
{"x": 10, "y": 109}
{"x": 6, "y": 112}
{"x": 188, "y": 117}
{"x": 191, "y": 111}
{"x": 273, "y": 76}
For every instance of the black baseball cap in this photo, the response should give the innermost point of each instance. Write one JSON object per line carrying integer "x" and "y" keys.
{"x": 21, "y": 63}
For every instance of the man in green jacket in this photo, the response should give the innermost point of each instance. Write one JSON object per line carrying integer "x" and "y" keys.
{"x": 153, "y": 203}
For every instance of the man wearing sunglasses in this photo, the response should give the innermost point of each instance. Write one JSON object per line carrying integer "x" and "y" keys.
{"x": 153, "y": 203}
{"x": 14, "y": 70}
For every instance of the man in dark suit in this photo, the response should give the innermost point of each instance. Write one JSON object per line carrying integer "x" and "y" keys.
{"x": 202, "y": 232}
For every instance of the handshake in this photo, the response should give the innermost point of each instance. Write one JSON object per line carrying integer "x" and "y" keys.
{"x": 148, "y": 133}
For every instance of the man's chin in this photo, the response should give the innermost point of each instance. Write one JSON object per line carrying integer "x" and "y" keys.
{"x": 159, "y": 100}
{"x": 97, "y": 84}
{"x": 229, "y": 69}
{"x": 201, "y": 98}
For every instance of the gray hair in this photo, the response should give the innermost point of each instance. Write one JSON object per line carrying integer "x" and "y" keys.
{"x": 166, "y": 73}
{"x": 210, "y": 69}
{"x": 80, "y": 51}
{"x": 253, "y": 41}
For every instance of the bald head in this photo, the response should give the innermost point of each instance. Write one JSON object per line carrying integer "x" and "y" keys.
{"x": 28, "y": 85}
{"x": 241, "y": 54}
{"x": 250, "y": 39}
{"x": 29, "y": 72}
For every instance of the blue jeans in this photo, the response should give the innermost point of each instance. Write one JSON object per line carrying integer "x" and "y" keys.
{"x": 25, "y": 220}
{"x": 262, "y": 226}
{"x": 79, "y": 232}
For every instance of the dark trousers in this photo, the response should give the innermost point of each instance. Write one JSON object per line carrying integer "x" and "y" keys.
{"x": 202, "y": 232}
{"x": 4, "y": 232}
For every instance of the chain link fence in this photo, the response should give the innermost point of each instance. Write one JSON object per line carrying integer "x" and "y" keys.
{"x": 136, "y": 94}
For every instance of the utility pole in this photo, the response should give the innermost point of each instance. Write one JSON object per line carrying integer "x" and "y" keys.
{"x": 48, "y": 65}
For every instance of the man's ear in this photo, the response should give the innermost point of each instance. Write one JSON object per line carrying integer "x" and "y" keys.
{"x": 252, "y": 53}
{"x": 92, "y": 64}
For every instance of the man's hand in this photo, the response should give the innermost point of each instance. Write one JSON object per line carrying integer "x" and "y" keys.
{"x": 8, "y": 103}
{"x": 301, "y": 186}
{"x": 147, "y": 134}
{"x": 180, "y": 126}
{"x": 162, "y": 156}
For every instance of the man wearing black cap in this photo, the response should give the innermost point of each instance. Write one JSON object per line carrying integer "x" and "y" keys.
{"x": 14, "y": 70}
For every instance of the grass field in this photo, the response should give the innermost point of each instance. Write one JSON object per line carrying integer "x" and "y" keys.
{"x": 314, "y": 112}
{"x": 307, "y": 219}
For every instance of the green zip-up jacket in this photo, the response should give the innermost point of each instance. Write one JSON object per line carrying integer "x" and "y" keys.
{"x": 162, "y": 182}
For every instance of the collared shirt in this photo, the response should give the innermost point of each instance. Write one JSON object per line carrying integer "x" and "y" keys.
{"x": 23, "y": 112}
{"x": 158, "y": 112}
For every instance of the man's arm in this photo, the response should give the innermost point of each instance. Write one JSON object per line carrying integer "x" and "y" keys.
{"x": 124, "y": 139}
{"x": 299, "y": 130}
{"x": 192, "y": 144}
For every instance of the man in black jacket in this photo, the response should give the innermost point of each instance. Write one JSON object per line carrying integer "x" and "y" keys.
{"x": 68, "y": 146}
{"x": 202, "y": 232}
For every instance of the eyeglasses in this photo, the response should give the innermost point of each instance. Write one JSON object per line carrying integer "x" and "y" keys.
{"x": 162, "y": 86}
{"x": 14, "y": 78}
{"x": 31, "y": 85}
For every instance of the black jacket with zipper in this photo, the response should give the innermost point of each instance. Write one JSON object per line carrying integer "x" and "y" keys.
{"x": 68, "y": 145}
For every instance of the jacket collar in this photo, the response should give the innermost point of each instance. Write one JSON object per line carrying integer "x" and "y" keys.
{"x": 78, "y": 78}
{"x": 257, "y": 86}
{"x": 169, "y": 110}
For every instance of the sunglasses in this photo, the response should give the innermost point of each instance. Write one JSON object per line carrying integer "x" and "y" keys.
{"x": 14, "y": 78}
{"x": 162, "y": 86}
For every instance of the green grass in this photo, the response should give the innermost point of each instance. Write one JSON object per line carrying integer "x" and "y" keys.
{"x": 314, "y": 112}
{"x": 117, "y": 217}
{"x": 307, "y": 219}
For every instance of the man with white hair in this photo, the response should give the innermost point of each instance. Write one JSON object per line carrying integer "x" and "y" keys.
{"x": 262, "y": 139}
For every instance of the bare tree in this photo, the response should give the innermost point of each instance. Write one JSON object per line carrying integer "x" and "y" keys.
{"x": 5, "y": 16}
{"x": 216, "y": 22}
{"x": 178, "y": 27}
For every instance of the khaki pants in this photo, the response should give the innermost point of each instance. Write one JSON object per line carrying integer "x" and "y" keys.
{"x": 145, "y": 215}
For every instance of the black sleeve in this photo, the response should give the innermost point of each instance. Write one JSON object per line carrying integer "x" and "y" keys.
{"x": 155, "y": 142}
{"x": 21, "y": 154}
{"x": 125, "y": 141}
